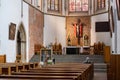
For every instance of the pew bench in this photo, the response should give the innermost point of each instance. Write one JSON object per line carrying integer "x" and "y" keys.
{"x": 8, "y": 68}
{"x": 80, "y": 73}
{"x": 38, "y": 77}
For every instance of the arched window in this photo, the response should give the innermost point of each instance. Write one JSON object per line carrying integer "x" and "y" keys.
{"x": 100, "y": 4}
{"x": 35, "y": 3}
{"x": 53, "y": 5}
{"x": 78, "y": 5}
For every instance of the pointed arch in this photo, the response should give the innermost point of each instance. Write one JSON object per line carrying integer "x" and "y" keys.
{"x": 21, "y": 44}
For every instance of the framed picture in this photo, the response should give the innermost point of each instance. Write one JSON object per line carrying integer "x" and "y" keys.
{"x": 118, "y": 8}
{"x": 111, "y": 18}
{"x": 44, "y": 54}
{"x": 12, "y": 29}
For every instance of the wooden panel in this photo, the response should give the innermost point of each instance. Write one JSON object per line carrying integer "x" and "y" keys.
{"x": 2, "y": 58}
{"x": 107, "y": 54}
{"x": 118, "y": 67}
{"x": 114, "y": 68}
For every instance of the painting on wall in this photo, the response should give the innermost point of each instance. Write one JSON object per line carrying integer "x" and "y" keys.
{"x": 12, "y": 29}
{"x": 118, "y": 8}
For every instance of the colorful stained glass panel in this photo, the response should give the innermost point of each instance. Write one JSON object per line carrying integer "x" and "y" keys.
{"x": 56, "y": 4}
{"x": 52, "y": 5}
{"x": 48, "y": 4}
{"x": 71, "y": 5}
{"x": 78, "y": 5}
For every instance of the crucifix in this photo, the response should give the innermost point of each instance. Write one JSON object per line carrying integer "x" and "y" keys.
{"x": 78, "y": 30}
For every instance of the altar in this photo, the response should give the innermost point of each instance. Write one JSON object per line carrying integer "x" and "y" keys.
{"x": 77, "y": 49}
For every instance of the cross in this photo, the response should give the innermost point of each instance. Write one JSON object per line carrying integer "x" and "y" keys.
{"x": 78, "y": 30}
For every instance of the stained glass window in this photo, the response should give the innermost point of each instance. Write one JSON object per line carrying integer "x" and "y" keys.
{"x": 35, "y": 3}
{"x": 100, "y": 4}
{"x": 71, "y": 5}
{"x": 53, "y": 5}
{"x": 78, "y": 5}
{"x": 56, "y": 4}
{"x": 48, "y": 3}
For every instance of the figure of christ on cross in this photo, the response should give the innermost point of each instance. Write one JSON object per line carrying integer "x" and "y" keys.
{"x": 78, "y": 30}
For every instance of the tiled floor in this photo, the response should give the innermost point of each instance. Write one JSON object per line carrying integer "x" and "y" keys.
{"x": 100, "y": 76}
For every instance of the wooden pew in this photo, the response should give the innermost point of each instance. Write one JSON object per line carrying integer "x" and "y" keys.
{"x": 8, "y": 68}
{"x": 31, "y": 79}
{"x": 78, "y": 75}
{"x": 38, "y": 77}
{"x": 89, "y": 67}
{"x": 59, "y": 71}
{"x": 55, "y": 72}
{"x": 52, "y": 74}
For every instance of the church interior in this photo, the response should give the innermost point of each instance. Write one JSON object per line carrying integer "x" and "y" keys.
{"x": 59, "y": 40}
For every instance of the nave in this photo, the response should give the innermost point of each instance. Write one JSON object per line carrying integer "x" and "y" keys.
{"x": 58, "y": 71}
{"x": 66, "y": 28}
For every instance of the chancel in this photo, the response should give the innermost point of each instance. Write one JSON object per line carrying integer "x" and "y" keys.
{"x": 59, "y": 39}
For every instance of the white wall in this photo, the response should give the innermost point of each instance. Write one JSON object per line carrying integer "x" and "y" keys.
{"x": 10, "y": 11}
{"x": 54, "y": 28}
{"x": 99, "y": 36}
{"x": 116, "y": 38}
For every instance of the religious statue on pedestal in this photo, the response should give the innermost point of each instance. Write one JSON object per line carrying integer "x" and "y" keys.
{"x": 68, "y": 40}
{"x": 86, "y": 43}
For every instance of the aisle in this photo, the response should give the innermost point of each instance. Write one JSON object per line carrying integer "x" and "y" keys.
{"x": 100, "y": 76}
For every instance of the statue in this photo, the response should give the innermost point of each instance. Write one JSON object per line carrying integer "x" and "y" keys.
{"x": 85, "y": 40}
{"x": 69, "y": 41}
{"x": 78, "y": 29}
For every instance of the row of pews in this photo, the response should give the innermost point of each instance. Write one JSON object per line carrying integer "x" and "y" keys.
{"x": 8, "y": 68}
{"x": 59, "y": 71}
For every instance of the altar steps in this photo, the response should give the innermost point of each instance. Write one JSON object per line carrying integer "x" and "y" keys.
{"x": 35, "y": 58}
{"x": 79, "y": 58}
{"x": 98, "y": 60}
{"x": 100, "y": 67}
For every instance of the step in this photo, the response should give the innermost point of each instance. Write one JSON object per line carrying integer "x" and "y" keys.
{"x": 98, "y": 60}
{"x": 100, "y": 67}
{"x": 79, "y": 58}
{"x": 100, "y": 70}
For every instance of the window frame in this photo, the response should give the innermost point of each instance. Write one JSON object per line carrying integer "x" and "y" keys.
{"x": 102, "y": 5}
{"x": 75, "y": 8}
{"x": 99, "y": 10}
{"x": 54, "y": 5}
{"x": 35, "y": 3}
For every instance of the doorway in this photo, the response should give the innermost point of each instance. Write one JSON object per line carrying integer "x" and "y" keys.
{"x": 21, "y": 44}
